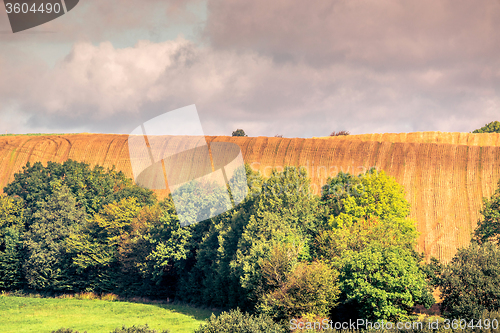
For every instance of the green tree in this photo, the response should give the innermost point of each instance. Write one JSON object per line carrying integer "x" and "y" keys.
{"x": 197, "y": 201}
{"x": 11, "y": 214}
{"x": 284, "y": 212}
{"x": 239, "y": 132}
{"x": 470, "y": 283}
{"x": 91, "y": 187}
{"x": 213, "y": 245}
{"x": 11, "y": 230}
{"x": 367, "y": 220}
{"x": 383, "y": 282}
{"x": 11, "y": 260}
{"x": 46, "y": 266}
{"x": 493, "y": 127}
{"x": 333, "y": 244}
{"x": 349, "y": 198}
{"x": 169, "y": 247}
{"x": 95, "y": 248}
{"x": 296, "y": 289}
{"x": 488, "y": 227}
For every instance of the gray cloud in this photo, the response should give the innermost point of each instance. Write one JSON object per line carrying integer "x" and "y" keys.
{"x": 385, "y": 34}
{"x": 273, "y": 68}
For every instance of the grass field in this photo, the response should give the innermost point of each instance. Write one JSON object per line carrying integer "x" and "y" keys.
{"x": 24, "y": 314}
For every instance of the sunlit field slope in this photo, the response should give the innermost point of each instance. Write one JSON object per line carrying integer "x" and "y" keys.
{"x": 44, "y": 315}
{"x": 445, "y": 175}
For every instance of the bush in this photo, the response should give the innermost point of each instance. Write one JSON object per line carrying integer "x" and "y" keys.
{"x": 236, "y": 321}
{"x": 239, "y": 132}
{"x": 339, "y": 133}
{"x": 310, "y": 289}
{"x": 138, "y": 329}
{"x": 470, "y": 283}
{"x": 133, "y": 329}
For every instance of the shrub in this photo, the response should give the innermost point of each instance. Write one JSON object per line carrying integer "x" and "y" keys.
{"x": 240, "y": 322}
{"x": 339, "y": 133}
{"x": 66, "y": 330}
{"x": 109, "y": 297}
{"x": 239, "y": 132}
{"x": 310, "y": 289}
{"x": 138, "y": 329}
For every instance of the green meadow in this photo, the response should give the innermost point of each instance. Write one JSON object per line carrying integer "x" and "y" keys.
{"x": 40, "y": 315}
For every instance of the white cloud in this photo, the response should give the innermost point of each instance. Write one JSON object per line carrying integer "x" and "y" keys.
{"x": 305, "y": 70}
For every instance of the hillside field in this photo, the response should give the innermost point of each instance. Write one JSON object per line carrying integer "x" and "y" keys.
{"x": 445, "y": 175}
{"x": 43, "y": 315}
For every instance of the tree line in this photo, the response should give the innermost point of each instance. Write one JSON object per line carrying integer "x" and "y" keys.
{"x": 283, "y": 253}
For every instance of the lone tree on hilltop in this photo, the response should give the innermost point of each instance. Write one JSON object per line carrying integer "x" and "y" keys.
{"x": 493, "y": 127}
{"x": 239, "y": 132}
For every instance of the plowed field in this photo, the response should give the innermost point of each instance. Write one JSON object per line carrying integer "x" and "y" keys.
{"x": 445, "y": 174}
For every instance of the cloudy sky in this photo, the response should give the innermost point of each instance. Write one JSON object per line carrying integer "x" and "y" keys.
{"x": 296, "y": 68}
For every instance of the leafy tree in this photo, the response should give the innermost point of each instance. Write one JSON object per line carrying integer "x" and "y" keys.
{"x": 366, "y": 236}
{"x": 92, "y": 188}
{"x": 488, "y": 227}
{"x": 383, "y": 282}
{"x": 239, "y": 132}
{"x": 296, "y": 289}
{"x": 349, "y": 198}
{"x": 333, "y": 244}
{"x": 95, "y": 248}
{"x": 470, "y": 283}
{"x": 11, "y": 230}
{"x": 168, "y": 246}
{"x": 278, "y": 210}
{"x": 46, "y": 264}
{"x": 213, "y": 245}
{"x": 285, "y": 212}
{"x": 197, "y": 201}
{"x": 11, "y": 215}
{"x": 493, "y": 127}
{"x": 11, "y": 260}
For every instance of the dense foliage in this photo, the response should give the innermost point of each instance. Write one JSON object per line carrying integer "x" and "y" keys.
{"x": 282, "y": 253}
{"x": 493, "y": 127}
{"x": 369, "y": 239}
{"x": 241, "y": 322}
{"x": 470, "y": 283}
{"x": 488, "y": 228}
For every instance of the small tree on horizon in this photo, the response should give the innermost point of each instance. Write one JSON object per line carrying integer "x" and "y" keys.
{"x": 492, "y": 127}
{"x": 239, "y": 132}
{"x": 340, "y": 133}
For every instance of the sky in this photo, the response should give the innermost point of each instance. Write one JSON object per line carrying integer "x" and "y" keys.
{"x": 293, "y": 68}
